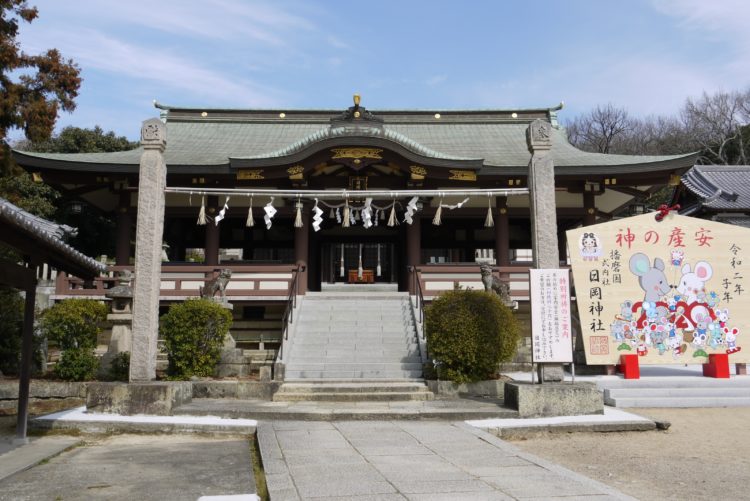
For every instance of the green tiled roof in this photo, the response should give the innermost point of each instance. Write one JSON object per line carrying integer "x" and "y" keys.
{"x": 195, "y": 141}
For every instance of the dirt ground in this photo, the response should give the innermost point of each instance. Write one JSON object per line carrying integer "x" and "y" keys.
{"x": 705, "y": 455}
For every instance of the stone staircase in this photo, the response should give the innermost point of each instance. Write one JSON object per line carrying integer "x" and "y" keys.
{"x": 350, "y": 346}
{"x": 688, "y": 391}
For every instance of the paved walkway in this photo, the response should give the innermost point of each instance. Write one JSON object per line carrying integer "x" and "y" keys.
{"x": 138, "y": 467}
{"x": 390, "y": 460}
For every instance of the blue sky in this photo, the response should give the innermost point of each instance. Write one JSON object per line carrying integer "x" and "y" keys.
{"x": 644, "y": 55}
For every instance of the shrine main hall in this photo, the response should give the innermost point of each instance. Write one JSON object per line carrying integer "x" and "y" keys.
{"x": 410, "y": 198}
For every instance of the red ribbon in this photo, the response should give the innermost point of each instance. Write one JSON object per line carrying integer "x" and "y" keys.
{"x": 664, "y": 209}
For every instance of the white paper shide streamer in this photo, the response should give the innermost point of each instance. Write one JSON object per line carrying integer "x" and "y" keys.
{"x": 270, "y": 211}
{"x": 367, "y": 213}
{"x": 411, "y": 208}
{"x": 317, "y": 216}
{"x": 222, "y": 212}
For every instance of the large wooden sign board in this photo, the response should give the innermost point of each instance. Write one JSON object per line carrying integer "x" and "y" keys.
{"x": 672, "y": 291}
{"x": 549, "y": 292}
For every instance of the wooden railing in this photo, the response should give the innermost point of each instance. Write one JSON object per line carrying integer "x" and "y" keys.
{"x": 432, "y": 279}
{"x": 184, "y": 280}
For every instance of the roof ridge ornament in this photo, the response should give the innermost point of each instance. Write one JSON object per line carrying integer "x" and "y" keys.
{"x": 357, "y": 115}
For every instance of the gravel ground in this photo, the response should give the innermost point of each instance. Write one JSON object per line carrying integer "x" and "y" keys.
{"x": 705, "y": 455}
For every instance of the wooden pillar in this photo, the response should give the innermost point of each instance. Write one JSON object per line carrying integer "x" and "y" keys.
{"x": 124, "y": 234}
{"x": 589, "y": 208}
{"x": 502, "y": 233}
{"x": 212, "y": 231}
{"x": 26, "y": 355}
{"x": 413, "y": 247}
{"x": 301, "y": 252}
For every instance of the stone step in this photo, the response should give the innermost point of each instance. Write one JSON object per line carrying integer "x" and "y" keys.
{"x": 346, "y": 366}
{"x": 678, "y": 402}
{"x": 353, "y": 374}
{"x": 678, "y": 392}
{"x": 353, "y": 387}
{"x": 352, "y": 397}
{"x": 613, "y": 382}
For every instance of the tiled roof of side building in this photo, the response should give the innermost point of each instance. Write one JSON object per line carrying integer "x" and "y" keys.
{"x": 723, "y": 187}
{"x": 48, "y": 234}
{"x": 492, "y": 136}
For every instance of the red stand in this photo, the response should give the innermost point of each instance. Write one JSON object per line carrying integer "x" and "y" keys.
{"x": 717, "y": 366}
{"x": 629, "y": 367}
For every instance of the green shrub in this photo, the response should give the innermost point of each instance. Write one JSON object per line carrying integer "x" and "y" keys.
{"x": 194, "y": 333}
{"x": 77, "y": 364}
{"x": 470, "y": 332}
{"x": 119, "y": 369}
{"x": 74, "y": 323}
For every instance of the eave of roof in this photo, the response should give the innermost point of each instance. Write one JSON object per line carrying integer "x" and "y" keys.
{"x": 490, "y": 139}
{"x": 721, "y": 187}
{"x": 48, "y": 235}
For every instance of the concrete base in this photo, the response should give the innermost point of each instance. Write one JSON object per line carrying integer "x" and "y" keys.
{"x": 155, "y": 398}
{"x": 492, "y": 388}
{"x": 553, "y": 399}
{"x": 243, "y": 390}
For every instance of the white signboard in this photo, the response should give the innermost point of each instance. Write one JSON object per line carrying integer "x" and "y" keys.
{"x": 551, "y": 339}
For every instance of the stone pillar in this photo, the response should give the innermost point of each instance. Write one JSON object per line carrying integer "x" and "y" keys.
{"x": 542, "y": 196}
{"x": 589, "y": 208}
{"x": 413, "y": 248}
{"x": 502, "y": 233}
{"x": 212, "y": 232}
{"x": 124, "y": 221}
{"x": 152, "y": 179}
{"x": 543, "y": 211}
{"x": 301, "y": 251}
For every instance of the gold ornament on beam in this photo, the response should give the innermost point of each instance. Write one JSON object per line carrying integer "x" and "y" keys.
{"x": 462, "y": 175}
{"x": 296, "y": 173}
{"x": 373, "y": 153}
{"x": 250, "y": 174}
{"x": 418, "y": 172}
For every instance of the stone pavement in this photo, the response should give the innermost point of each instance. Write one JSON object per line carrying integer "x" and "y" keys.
{"x": 138, "y": 467}
{"x": 15, "y": 458}
{"x": 389, "y": 460}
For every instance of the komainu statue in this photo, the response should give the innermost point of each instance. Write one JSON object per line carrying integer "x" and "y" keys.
{"x": 494, "y": 284}
{"x": 216, "y": 284}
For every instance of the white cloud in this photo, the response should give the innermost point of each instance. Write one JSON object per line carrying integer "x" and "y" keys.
{"x": 94, "y": 50}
